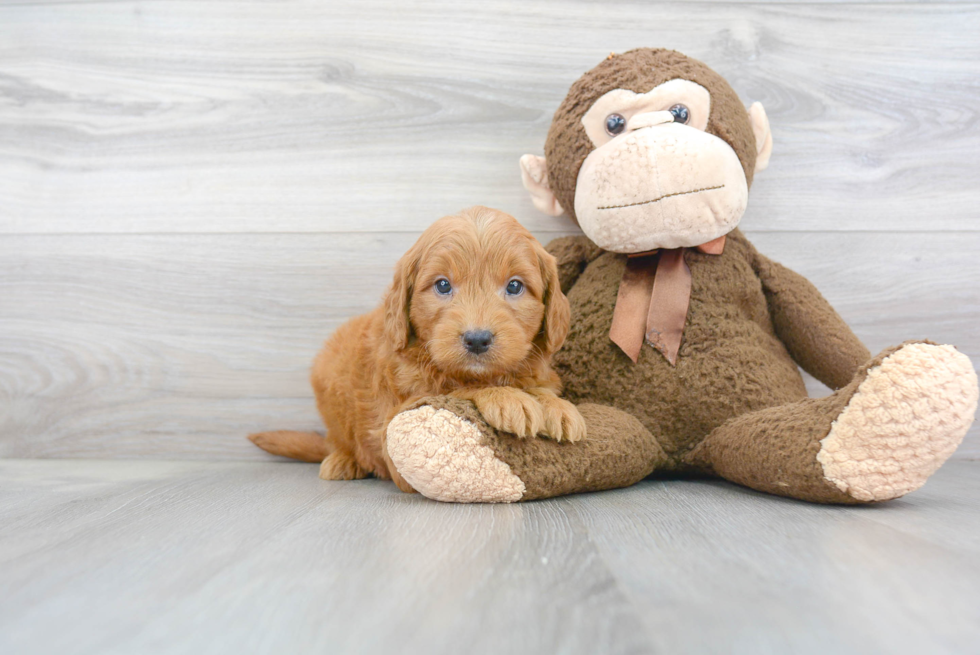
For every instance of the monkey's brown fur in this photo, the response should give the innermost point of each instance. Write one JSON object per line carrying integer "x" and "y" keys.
{"x": 732, "y": 363}
{"x": 735, "y": 404}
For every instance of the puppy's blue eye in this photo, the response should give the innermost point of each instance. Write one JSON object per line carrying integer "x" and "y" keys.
{"x": 615, "y": 124}
{"x": 515, "y": 287}
{"x": 443, "y": 286}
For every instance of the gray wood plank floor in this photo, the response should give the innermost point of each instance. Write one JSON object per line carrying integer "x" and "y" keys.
{"x": 185, "y": 557}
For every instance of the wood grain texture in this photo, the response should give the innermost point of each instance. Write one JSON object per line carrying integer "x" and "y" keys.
{"x": 167, "y": 557}
{"x": 166, "y": 346}
{"x": 378, "y": 115}
{"x": 819, "y": 576}
{"x": 194, "y": 194}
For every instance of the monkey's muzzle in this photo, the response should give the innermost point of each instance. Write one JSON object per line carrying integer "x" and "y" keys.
{"x": 664, "y": 186}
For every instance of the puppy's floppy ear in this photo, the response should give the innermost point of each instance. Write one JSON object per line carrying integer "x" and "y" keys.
{"x": 557, "y": 315}
{"x": 398, "y": 326}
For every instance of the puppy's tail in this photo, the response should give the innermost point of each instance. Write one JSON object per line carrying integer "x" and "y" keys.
{"x": 304, "y": 446}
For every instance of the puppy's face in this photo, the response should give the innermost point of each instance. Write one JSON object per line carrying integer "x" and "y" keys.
{"x": 483, "y": 295}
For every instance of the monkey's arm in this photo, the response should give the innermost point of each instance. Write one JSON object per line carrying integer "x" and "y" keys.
{"x": 816, "y": 336}
{"x": 573, "y": 255}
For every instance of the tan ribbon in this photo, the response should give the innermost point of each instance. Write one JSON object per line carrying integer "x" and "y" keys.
{"x": 653, "y": 300}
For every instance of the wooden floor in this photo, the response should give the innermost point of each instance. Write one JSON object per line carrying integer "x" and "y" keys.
{"x": 190, "y": 557}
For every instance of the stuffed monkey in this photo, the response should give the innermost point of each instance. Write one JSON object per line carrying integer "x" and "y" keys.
{"x": 685, "y": 340}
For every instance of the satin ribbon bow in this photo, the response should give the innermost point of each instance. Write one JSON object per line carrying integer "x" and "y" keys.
{"x": 653, "y": 299}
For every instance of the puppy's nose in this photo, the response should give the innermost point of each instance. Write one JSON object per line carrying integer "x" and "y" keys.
{"x": 477, "y": 341}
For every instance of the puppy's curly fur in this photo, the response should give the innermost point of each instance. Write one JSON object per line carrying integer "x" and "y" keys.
{"x": 458, "y": 279}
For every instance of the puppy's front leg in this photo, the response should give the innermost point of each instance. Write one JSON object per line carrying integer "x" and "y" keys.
{"x": 562, "y": 419}
{"x": 507, "y": 409}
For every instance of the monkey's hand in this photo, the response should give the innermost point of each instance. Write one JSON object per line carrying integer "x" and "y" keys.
{"x": 507, "y": 409}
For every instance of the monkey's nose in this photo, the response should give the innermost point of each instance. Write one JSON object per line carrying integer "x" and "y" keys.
{"x": 477, "y": 341}
{"x": 649, "y": 119}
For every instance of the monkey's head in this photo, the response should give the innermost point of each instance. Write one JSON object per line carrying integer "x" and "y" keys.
{"x": 650, "y": 149}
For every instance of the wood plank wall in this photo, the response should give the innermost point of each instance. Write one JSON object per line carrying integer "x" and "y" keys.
{"x": 194, "y": 194}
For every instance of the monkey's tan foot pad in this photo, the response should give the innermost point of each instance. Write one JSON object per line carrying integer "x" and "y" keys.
{"x": 906, "y": 418}
{"x": 444, "y": 458}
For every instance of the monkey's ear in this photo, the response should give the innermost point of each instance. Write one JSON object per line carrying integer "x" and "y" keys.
{"x": 534, "y": 174}
{"x": 763, "y": 137}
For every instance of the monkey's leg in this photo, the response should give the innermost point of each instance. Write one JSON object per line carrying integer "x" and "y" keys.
{"x": 877, "y": 438}
{"x": 447, "y": 452}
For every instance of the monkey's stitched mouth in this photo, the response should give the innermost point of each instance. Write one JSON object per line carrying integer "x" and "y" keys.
{"x": 669, "y": 195}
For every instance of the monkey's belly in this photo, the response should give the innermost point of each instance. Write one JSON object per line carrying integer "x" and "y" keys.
{"x": 730, "y": 363}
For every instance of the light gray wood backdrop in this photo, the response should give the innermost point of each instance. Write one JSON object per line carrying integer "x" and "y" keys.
{"x": 194, "y": 194}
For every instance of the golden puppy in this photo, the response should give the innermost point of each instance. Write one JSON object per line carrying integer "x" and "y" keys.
{"x": 475, "y": 311}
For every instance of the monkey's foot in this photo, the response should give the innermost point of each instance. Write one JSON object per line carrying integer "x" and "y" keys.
{"x": 907, "y": 417}
{"x": 444, "y": 458}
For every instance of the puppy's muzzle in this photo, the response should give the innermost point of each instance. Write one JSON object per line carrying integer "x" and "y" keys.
{"x": 477, "y": 341}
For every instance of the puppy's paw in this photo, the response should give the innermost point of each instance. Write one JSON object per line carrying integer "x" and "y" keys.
{"x": 341, "y": 465}
{"x": 510, "y": 410}
{"x": 562, "y": 419}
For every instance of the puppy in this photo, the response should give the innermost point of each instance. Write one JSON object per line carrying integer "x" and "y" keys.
{"x": 475, "y": 311}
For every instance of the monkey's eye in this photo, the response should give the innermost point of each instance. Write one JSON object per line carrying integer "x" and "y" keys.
{"x": 615, "y": 124}
{"x": 515, "y": 288}
{"x": 680, "y": 113}
{"x": 443, "y": 287}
